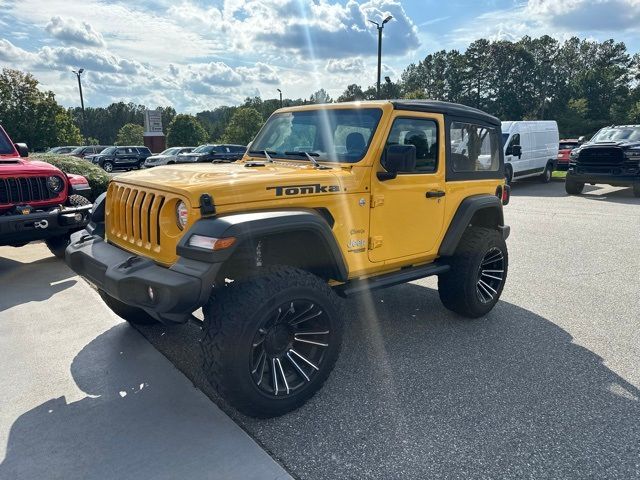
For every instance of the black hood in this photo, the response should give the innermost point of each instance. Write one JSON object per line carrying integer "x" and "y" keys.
{"x": 624, "y": 144}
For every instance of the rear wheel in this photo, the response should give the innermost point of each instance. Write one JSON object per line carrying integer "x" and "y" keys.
{"x": 269, "y": 342}
{"x": 572, "y": 187}
{"x": 478, "y": 273}
{"x": 547, "y": 174}
{"x": 133, "y": 315}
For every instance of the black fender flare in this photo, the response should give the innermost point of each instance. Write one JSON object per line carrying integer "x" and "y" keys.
{"x": 244, "y": 226}
{"x": 461, "y": 220}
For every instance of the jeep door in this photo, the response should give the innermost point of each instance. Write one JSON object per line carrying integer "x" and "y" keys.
{"x": 407, "y": 212}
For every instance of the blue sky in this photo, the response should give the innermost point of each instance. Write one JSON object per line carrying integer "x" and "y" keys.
{"x": 196, "y": 54}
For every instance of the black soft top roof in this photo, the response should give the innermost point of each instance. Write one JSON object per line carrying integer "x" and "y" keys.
{"x": 446, "y": 108}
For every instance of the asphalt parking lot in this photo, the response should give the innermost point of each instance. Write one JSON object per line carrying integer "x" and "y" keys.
{"x": 546, "y": 386}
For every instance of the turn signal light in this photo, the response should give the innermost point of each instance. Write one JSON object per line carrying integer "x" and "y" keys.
{"x": 211, "y": 243}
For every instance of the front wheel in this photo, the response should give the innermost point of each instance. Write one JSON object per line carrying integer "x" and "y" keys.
{"x": 271, "y": 341}
{"x": 547, "y": 174}
{"x": 508, "y": 175}
{"x": 108, "y": 167}
{"x": 478, "y": 273}
{"x": 636, "y": 190}
{"x": 573, "y": 188}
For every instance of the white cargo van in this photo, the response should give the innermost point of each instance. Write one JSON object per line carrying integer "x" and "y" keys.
{"x": 530, "y": 149}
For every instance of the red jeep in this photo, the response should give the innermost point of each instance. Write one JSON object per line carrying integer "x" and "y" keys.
{"x": 37, "y": 200}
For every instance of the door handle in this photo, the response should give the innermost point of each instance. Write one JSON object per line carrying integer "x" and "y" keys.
{"x": 435, "y": 194}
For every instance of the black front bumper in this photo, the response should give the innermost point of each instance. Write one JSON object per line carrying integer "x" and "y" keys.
{"x": 615, "y": 179}
{"x": 17, "y": 229}
{"x": 177, "y": 290}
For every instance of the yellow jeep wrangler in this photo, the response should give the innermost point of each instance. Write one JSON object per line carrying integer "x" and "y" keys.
{"x": 329, "y": 201}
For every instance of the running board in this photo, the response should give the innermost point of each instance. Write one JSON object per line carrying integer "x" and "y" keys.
{"x": 390, "y": 279}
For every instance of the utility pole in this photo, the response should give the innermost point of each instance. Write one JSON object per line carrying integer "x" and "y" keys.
{"x": 380, "y": 27}
{"x": 280, "y": 91}
{"x": 78, "y": 73}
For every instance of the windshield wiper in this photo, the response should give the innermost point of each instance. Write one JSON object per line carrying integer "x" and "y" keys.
{"x": 309, "y": 156}
{"x": 267, "y": 154}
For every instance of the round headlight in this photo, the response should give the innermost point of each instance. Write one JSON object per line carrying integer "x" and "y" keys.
{"x": 54, "y": 184}
{"x": 182, "y": 215}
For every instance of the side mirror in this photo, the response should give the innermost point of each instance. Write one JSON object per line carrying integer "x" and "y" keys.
{"x": 516, "y": 150}
{"x": 397, "y": 158}
{"x": 22, "y": 149}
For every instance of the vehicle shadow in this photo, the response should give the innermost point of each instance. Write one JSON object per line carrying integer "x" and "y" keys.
{"x": 600, "y": 193}
{"x": 420, "y": 393}
{"x": 133, "y": 423}
{"x": 32, "y": 282}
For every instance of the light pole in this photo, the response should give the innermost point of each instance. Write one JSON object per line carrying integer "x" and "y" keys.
{"x": 280, "y": 92}
{"x": 78, "y": 73}
{"x": 380, "y": 27}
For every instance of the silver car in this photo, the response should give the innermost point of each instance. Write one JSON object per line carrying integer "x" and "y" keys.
{"x": 168, "y": 157}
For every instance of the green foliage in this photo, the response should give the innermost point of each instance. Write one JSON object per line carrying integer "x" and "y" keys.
{"x": 353, "y": 93}
{"x": 186, "y": 130}
{"x": 243, "y": 126}
{"x": 130, "y": 134}
{"x": 321, "y": 96}
{"x": 92, "y": 141}
{"x": 97, "y": 178}
{"x": 67, "y": 133}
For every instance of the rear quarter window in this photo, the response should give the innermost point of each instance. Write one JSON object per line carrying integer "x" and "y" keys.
{"x": 474, "y": 148}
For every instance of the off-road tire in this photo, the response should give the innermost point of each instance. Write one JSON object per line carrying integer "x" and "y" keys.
{"x": 573, "y": 188}
{"x": 57, "y": 245}
{"x": 133, "y": 315}
{"x": 239, "y": 311}
{"x": 458, "y": 287}
{"x": 636, "y": 190}
{"x": 107, "y": 167}
{"x": 547, "y": 175}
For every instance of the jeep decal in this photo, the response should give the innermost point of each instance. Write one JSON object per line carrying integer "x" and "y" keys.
{"x": 304, "y": 189}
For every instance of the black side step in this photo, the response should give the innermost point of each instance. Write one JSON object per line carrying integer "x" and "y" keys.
{"x": 390, "y": 279}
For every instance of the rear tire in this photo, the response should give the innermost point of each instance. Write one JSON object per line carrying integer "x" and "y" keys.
{"x": 133, "y": 315}
{"x": 573, "y": 188}
{"x": 547, "y": 174}
{"x": 270, "y": 341}
{"x": 478, "y": 273}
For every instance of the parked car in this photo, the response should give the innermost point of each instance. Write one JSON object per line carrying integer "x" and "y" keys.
{"x": 168, "y": 157}
{"x": 611, "y": 157}
{"x": 530, "y": 149}
{"x": 37, "y": 200}
{"x": 213, "y": 153}
{"x": 564, "y": 150}
{"x": 124, "y": 157}
{"x": 61, "y": 150}
{"x": 84, "y": 152}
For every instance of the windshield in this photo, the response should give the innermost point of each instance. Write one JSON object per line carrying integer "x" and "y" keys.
{"x": 331, "y": 135}
{"x": 204, "y": 149}
{"x": 616, "y": 134}
{"x": 505, "y": 137}
{"x": 109, "y": 150}
{"x": 6, "y": 147}
{"x": 567, "y": 145}
{"x": 77, "y": 150}
{"x": 170, "y": 151}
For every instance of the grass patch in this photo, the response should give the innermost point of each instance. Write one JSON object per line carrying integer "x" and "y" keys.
{"x": 97, "y": 177}
{"x": 559, "y": 175}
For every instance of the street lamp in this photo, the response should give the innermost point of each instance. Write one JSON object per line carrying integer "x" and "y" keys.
{"x": 380, "y": 27}
{"x": 78, "y": 73}
{"x": 280, "y": 91}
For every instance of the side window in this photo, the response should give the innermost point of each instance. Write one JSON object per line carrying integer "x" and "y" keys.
{"x": 421, "y": 133}
{"x": 515, "y": 140}
{"x": 474, "y": 148}
{"x": 121, "y": 151}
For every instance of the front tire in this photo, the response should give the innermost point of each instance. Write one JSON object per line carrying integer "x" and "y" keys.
{"x": 547, "y": 174}
{"x": 508, "y": 174}
{"x": 269, "y": 342}
{"x": 108, "y": 167}
{"x": 133, "y": 315}
{"x": 478, "y": 273}
{"x": 573, "y": 188}
{"x": 636, "y": 190}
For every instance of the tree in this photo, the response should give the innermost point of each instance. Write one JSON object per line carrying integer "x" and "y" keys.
{"x": 352, "y": 93}
{"x": 130, "y": 134}
{"x": 243, "y": 126}
{"x": 67, "y": 133}
{"x": 321, "y": 96}
{"x": 185, "y": 130}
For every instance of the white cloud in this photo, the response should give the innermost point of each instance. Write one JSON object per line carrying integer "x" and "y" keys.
{"x": 75, "y": 32}
{"x": 599, "y": 15}
{"x": 345, "y": 65}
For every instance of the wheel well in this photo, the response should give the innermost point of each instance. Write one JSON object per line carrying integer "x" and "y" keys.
{"x": 301, "y": 249}
{"x": 486, "y": 217}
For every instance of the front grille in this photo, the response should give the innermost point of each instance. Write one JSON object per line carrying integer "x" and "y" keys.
{"x": 143, "y": 221}
{"x": 18, "y": 190}
{"x": 601, "y": 156}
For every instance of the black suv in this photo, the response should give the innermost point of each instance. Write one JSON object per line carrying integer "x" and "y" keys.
{"x": 121, "y": 157}
{"x": 611, "y": 157}
{"x": 213, "y": 153}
